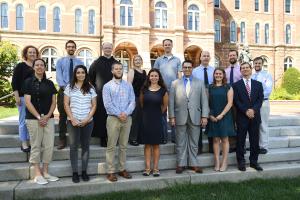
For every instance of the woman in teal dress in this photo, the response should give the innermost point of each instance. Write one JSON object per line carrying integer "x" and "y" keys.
{"x": 221, "y": 121}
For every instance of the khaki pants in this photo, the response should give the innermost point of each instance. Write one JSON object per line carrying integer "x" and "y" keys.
{"x": 41, "y": 141}
{"x": 116, "y": 131}
{"x": 263, "y": 129}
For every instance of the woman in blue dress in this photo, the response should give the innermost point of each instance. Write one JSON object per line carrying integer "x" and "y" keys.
{"x": 221, "y": 120}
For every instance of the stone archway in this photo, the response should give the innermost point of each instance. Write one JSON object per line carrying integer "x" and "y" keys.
{"x": 124, "y": 53}
{"x": 193, "y": 53}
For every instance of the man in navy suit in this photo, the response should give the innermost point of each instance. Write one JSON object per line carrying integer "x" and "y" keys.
{"x": 248, "y": 98}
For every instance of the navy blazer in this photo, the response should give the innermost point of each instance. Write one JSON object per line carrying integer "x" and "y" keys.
{"x": 242, "y": 101}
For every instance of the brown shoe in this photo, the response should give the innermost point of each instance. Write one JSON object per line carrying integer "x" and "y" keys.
{"x": 111, "y": 177}
{"x": 179, "y": 170}
{"x": 61, "y": 144}
{"x": 125, "y": 174}
{"x": 197, "y": 169}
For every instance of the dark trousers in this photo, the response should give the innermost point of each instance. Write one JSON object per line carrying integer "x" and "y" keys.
{"x": 253, "y": 129}
{"x": 232, "y": 139}
{"x": 80, "y": 135}
{"x": 209, "y": 139}
{"x": 62, "y": 124}
{"x": 136, "y": 121}
{"x": 167, "y": 127}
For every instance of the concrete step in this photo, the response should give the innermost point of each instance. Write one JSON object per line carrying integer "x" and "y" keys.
{"x": 22, "y": 171}
{"x": 284, "y": 131}
{"x": 65, "y": 188}
{"x": 8, "y": 127}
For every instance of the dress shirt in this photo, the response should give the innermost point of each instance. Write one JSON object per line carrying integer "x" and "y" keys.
{"x": 184, "y": 78}
{"x": 236, "y": 73}
{"x": 62, "y": 70}
{"x": 249, "y": 82}
{"x": 198, "y": 72}
{"x": 266, "y": 79}
{"x": 118, "y": 97}
{"x": 169, "y": 68}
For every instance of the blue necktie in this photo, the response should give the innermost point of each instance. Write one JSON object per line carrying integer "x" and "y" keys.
{"x": 205, "y": 77}
{"x": 71, "y": 70}
{"x": 231, "y": 75}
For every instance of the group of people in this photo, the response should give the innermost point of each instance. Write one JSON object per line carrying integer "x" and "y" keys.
{"x": 99, "y": 103}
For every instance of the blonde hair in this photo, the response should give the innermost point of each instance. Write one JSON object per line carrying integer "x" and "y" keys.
{"x": 135, "y": 56}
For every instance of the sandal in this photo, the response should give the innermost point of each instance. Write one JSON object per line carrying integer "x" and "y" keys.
{"x": 147, "y": 172}
{"x": 156, "y": 173}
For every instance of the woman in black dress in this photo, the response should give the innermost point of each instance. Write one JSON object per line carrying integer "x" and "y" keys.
{"x": 137, "y": 77}
{"x": 154, "y": 101}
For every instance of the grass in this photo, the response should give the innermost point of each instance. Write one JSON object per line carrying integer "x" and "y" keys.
{"x": 271, "y": 189}
{"x": 7, "y": 112}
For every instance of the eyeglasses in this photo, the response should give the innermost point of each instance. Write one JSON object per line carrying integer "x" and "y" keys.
{"x": 187, "y": 68}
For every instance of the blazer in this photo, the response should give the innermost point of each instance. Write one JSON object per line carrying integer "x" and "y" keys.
{"x": 196, "y": 104}
{"x": 242, "y": 101}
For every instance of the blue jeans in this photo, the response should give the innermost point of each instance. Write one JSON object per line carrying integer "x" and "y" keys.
{"x": 23, "y": 132}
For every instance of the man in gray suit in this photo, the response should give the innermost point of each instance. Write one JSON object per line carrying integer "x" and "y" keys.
{"x": 188, "y": 110}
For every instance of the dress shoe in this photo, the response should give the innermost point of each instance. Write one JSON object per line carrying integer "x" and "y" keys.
{"x": 256, "y": 166}
{"x": 125, "y": 174}
{"x": 197, "y": 169}
{"x": 199, "y": 151}
{"x": 179, "y": 170}
{"x": 111, "y": 177}
{"x": 75, "y": 177}
{"x": 103, "y": 142}
{"x": 133, "y": 143}
{"x": 263, "y": 151}
{"x": 247, "y": 149}
{"x": 156, "y": 173}
{"x": 242, "y": 167}
{"x": 85, "y": 176}
{"x": 61, "y": 144}
{"x": 164, "y": 141}
{"x": 25, "y": 150}
{"x": 231, "y": 150}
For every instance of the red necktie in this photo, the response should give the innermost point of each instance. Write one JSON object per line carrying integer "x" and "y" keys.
{"x": 248, "y": 88}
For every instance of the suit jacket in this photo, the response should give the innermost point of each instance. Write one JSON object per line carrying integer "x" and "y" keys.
{"x": 242, "y": 101}
{"x": 196, "y": 104}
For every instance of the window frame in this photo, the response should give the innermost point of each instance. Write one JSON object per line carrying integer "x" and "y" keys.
{"x": 42, "y": 6}
{"x": 20, "y": 17}
{"x": 220, "y": 31}
{"x": 127, "y": 6}
{"x": 58, "y": 20}
{"x": 257, "y": 33}
{"x": 233, "y": 31}
{"x": 3, "y": 17}
{"x": 92, "y": 22}
{"x": 161, "y": 11}
{"x": 194, "y": 13}
{"x": 78, "y": 21}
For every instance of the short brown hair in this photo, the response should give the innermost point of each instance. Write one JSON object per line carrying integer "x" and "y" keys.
{"x": 167, "y": 40}
{"x": 25, "y": 51}
{"x": 234, "y": 50}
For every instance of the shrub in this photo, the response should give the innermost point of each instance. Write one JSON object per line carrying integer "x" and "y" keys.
{"x": 281, "y": 94}
{"x": 291, "y": 81}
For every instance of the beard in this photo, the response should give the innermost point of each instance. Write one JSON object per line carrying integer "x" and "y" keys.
{"x": 118, "y": 77}
{"x": 233, "y": 61}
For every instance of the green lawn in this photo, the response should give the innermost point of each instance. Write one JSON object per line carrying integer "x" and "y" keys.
{"x": 272, "y": 189}
{"x": 7, "y": 112}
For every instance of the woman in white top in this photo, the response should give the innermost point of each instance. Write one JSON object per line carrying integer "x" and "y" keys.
{"x": 80, "y": 106}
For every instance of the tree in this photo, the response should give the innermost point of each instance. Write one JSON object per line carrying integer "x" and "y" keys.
{"x": 8, "y": 59}
{"x": 291, "y": 80}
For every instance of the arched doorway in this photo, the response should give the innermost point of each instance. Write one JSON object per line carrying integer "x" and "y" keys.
{"x": 193, "y": 53}
{"x": 156, "y": 51}
{"x": 124, "y": 53}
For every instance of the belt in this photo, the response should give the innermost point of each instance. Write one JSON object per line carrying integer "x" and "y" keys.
{"x": 265, "y": 99}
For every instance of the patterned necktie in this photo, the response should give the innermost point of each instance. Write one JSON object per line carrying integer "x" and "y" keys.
{"x": 231, "y": 75}
{"x": 71, "y": 70}
{"x": 205, "y": 77}
{"x": 248, "y": 88}
{"x": 188, "y": 87}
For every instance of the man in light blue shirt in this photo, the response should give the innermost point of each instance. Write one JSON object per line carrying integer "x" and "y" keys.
{"x": 170, "y": 69}
{"x": 205, "y": 73}
{"x": 64, "y": 73}
{"x": 266, "y": 79}
{"x": 119, "y": 102}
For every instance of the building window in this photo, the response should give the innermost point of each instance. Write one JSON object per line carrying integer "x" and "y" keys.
{"x": 232, "y": 31}
{"x": 237, "y": 4}
{"x": 217, "y": 3}
{"x": 92, "y": 22}
{"x": 265, "y": 63}
{"x": 123, "y": 57}
{"x": 19, "y": 17}
{"x": 243, "y": 32}
{"x": 4, "y": 15}
{"x": 288, "y": 6}
{"x": 217, "y": 31}
{"x": 50, "y": 56}
{"x": 267, "y": 34}
{"x": 266, "y": 5}
{"x": 257, "y": 33}
{"x": 217, "y": 62}
{"x": 288, "y": 34}
{"x": 78, "y": 21}
{"x": 256, "y": 5}
{"x": 126, "y": 13}
{"x": 56, "y": 19}
{"x": 86, "y": 56}
{"x": 193, "y": 18}
{"x": 161, "y": 15}
{"x": 42, "y": 18}
{"x": 288, "y": 62}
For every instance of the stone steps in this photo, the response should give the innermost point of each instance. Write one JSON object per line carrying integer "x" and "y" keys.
{"x": 62, "y": 168}
{"x": 65, "y": 188}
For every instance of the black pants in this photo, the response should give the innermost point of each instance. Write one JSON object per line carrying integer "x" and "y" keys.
{"x": 62, "y": 124}
{"x": 136, "y": 126}
{"x": 209, "y": 139}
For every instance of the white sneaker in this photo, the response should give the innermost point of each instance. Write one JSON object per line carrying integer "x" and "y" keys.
{"x": 40, "y": 180}
{"x": 50, "y": 178}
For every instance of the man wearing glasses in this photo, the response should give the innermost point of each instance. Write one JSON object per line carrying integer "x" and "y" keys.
{"x": 188, "y": 110}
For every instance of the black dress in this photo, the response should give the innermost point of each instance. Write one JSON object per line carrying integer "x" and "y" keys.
{"x": 100, "y": 74}
{"x": 152, "y": 127}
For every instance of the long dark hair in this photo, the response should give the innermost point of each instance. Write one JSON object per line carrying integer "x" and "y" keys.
{"x": 224, "y": 80}
{"x": 86, "y": 86}
{"x": 161, "y": 82}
